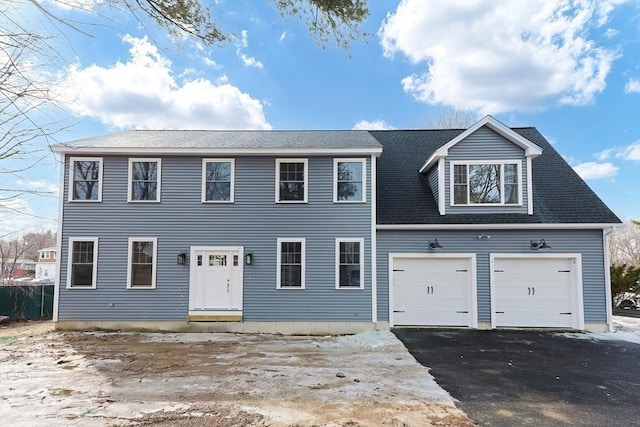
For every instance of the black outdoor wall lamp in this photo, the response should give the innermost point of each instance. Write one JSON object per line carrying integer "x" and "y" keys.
{"x": 539, "y": 245}
{"x": 433, "y": 244}
{"x": 248, "y": 259}
{"x": 182, "y": 258}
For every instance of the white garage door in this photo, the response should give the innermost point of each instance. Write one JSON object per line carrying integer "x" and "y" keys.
{"x": 535, "y": 292}
{"x": 430, "y": 291}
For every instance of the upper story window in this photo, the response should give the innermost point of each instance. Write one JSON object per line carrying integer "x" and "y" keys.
{"x": 291, "y": 263}
{"x": 349, "y": 180}
{"x": 291, "y": 180}
{"x": 83, "y": 267}
{"x": 144, "y": 180}
{"x": 85, "y": 180}
{"x": 217, "y": 180}
{"x": 45, "y": 255}
{"x": 485, "y": 183}
{"x": 142, "y": 263}
{"x": 349, "y": 263}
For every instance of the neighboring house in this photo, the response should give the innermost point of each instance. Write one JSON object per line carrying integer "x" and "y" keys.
{"x": 19, "y": 269}
{"x": 329, "y": 232}
{"x": 46, "y": 265}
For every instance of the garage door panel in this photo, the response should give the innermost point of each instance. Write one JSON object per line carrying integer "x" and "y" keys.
{"x": 534, "y": 292}
{"x": 432, "y": 292}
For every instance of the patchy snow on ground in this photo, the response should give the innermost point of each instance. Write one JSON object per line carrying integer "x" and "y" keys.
{"x": 624, "y": 329}
{"x": 180, "y": 379}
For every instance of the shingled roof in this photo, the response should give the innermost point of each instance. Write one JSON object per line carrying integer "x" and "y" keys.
{"x": 237, "y": 141}
{"x": 560, "y": 196}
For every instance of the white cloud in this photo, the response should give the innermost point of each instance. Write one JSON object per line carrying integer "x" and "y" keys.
{"x": 43, "y": 186}
{"x": 210, "y": 62}
{"x": 630, "y": 152}
{"x": 247, "y": 60}
{"x": 493, "y": 57}
{"x": 374, "y": 125}
{"x": 604, "y": 154}
{"x": 143, "y": 93}
{"x": 283, "y": 36}
{"x": 632, "y": 86}
{"x": 250, "y": 61}
{"x": 592, "y": 170}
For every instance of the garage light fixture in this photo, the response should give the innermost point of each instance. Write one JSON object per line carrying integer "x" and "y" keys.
{"x": 539, "y": 245}
{"x": 433, "y": 244}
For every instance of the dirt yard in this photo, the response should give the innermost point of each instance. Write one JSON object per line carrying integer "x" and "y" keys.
{"x": 145, "y": 379}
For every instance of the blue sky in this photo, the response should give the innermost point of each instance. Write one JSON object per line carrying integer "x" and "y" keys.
{"x": 571, "y": 69}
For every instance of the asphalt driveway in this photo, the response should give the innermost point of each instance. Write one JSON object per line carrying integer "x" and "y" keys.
{"x": 532, "y": 378}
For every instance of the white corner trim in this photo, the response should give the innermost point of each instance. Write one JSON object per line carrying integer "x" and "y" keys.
{"x": 58, "y": 279}
{"x": 529, "y": 187}
{"x": 442, "y": 208}
{"x": 374, "y": 241}
{"x": 606, "y": 234}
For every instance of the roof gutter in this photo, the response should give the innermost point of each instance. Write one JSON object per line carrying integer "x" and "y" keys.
{"x": 62, "y": 149}
{"x": 586, "y": 226}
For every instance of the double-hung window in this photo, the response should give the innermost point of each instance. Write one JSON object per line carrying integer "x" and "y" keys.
{"x": 485, "y": 183}
{"x": 85, "y": 179}
{"x": 349, "y": 180}
{"x": 291, "y": 263}
{"x": 141, "y": 272}
{"x": 291, "y": 180}
{"x": 144, "y": 180}
{"x": 82, "y": 268}
{"x": 349, "y": 263}
{"x": 217, "y": 180}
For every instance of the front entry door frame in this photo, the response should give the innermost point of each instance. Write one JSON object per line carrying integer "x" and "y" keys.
{"x": 193, "y": 282}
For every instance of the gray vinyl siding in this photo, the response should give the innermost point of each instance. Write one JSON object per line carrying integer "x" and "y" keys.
{"x": 432, "y": 179}
{"x": 589, "y": 243}
{"x": 485, "y": 144}
{"x": 180, "y": 221}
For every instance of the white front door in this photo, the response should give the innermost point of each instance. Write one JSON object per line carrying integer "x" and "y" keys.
{"x": 433, "y": 291}
{"x": 535, "y": 291}
{"x": 216, "y": 279}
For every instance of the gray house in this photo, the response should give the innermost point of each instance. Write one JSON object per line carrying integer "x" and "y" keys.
{"x": 328, "y": 232}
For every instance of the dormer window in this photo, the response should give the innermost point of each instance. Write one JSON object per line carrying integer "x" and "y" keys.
{"x": 486, "y": 183}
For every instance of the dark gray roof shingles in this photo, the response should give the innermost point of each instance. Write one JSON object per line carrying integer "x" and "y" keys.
{"x": 560, "y": 196}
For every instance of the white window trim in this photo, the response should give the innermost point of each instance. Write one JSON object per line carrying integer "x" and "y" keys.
{"x": 453, "y": 164}
{"x": 337, "y": 262}
{"x": 363, "y": 179}
{"x": 72, "y": 160}
{"x": 232, "y": 179}
{"x": 94, "y": 276}
{"x": 153, "y": 267}
{"x": 279, "y": 260}
{"x": 306, "y": 179}
{"x": 130, "y": 184}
